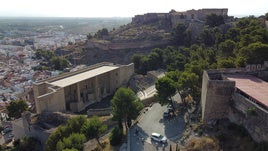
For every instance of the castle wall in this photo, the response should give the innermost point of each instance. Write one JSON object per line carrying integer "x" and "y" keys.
{"x": 263, "y": 75}
{"x": 215, "y": 98}
{"x": 204, "y": 93}
{"x": 202, "y": 13}
{"x": 149, "y": 18}
{"x": 221, "y": 99}
{"x": 251, "y": 116}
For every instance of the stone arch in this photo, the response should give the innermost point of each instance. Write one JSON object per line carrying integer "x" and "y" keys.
{"x": 253, "y": 67}
{"x": 259, "y": 67}
{"x": 248, "y": 67}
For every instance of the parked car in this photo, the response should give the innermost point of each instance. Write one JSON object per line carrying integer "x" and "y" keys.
{"x": 166, "y": 115}
{"x": 6, "y": 130}
{"x": 170, "y": 108}
{"x": 10, "y": 135}
{"x": 158, "y": 138}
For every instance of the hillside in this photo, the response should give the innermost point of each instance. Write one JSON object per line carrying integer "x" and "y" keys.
{"x": 145, "y": 32}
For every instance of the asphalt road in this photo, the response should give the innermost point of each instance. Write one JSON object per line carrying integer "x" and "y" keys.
{"x": 152, "y": 121}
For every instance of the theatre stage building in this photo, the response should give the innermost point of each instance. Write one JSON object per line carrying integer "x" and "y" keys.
{"x": 74, "y": 91}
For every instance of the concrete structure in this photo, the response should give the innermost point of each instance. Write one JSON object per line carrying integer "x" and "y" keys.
{"x": 239, "y": 95}
{"x": 75, "y": 90}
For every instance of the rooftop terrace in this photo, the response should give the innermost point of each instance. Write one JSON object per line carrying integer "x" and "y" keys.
{"x": 82, "y": 76}
{"x": 254, "y": 87}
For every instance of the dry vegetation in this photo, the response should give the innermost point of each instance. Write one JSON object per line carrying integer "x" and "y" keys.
{"x": 203, "y": 144}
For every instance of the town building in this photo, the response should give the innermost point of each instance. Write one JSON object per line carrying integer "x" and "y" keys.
{"x": 73, "y": 91}
{"x": 240, "y": 95}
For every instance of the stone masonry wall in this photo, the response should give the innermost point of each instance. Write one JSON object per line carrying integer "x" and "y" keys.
{"x": 178, "y": 17}
{"x": 216, "y": 95}
{"x": 251, "y": 116}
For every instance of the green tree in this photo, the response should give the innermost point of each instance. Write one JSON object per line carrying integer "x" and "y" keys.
{"x": 166, "y": 88}
{"x": 75, "y": 141}
{"x": 214, "y": 20}
{"x": 15, "y": 108}
{"x": 207, "y": 37}
{"x": 93, "y": 128}
{"x": 154, "y": 61}
{"x": 226, "y": 63}
{"x": 60, "y": 146}
{"x": 54, "y": 138}
{"x": 51, "y": 61}
{"x": 125, "y": 105}
{"x": 188, "y": 84}
{"x": 137, "y": 60}
{"x": 116, "y": 136}
{"x": 254, "y": 53}
{"x": 45, "y": 54}
{"x": 266, "y": 16}
{"x": 101, "y": 33}
{"x": 59, "y": 63}
{"x": 227, "y": 47}
{"x": 75, "y": 124}
{"x": 233, "y": 34}
{"x": 179, "y": 34}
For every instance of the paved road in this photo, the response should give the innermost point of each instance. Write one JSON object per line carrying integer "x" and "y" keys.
{"x": 152, "y": 121}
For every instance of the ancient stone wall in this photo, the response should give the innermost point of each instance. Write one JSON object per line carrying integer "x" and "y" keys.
{"x": 178, "y": 17}
{"x": 250, "y": 115}
{"x": 220, "y": 99}
{"x": 99, "y": 112}
{"x": 215, "y": 98}
{"x": 263, "y": 75}
{"x": 202, "y": 13}
{"x": 149, "y": 18}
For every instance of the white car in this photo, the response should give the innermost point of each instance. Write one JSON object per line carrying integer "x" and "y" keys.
{"x": 159, "y": 138}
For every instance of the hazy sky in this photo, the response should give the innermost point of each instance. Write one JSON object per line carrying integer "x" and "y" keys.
{"x": 123, "y": 8}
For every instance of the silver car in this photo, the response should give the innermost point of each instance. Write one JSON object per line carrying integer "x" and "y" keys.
{"x": 159, "y": 138}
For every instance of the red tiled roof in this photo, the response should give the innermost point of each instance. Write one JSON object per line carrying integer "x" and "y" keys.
{"x": 252, "y": 86}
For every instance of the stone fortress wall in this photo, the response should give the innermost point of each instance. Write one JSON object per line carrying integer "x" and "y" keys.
{"x": 244, "y": 112}
{"x": 178, "y": 17}
{"x": 220, "y": 99}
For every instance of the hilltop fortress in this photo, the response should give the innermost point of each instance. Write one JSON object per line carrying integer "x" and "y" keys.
{"x": 145, "y": 32}
{"x": 179, "y": 17}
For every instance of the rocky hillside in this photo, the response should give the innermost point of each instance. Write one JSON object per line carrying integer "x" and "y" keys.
{"x": 119, "y": 45}
{"x": 140, "y": 36}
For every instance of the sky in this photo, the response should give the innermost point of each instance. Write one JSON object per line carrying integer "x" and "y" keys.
{"x": 123, "y": 8}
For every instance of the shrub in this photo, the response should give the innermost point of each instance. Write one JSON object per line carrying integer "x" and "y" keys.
{"x": 252, "y": 111}
{"x": 203, "y": 143}
{"x": 116, "y": 136}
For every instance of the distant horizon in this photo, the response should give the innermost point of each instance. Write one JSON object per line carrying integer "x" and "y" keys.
{"x": 123, "y": 8}
{"x": 235, "y": 15}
